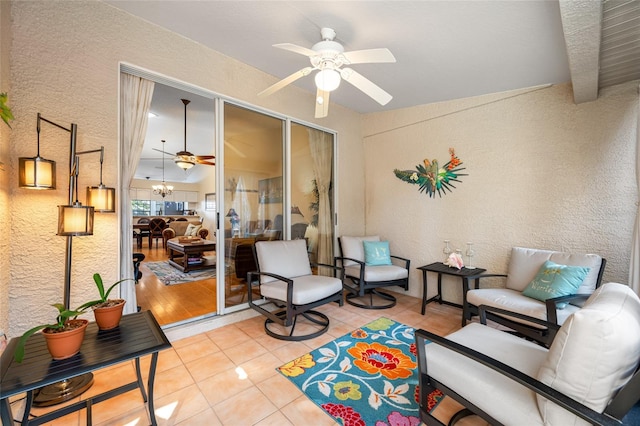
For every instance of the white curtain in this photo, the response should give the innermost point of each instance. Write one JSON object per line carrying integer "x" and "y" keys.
{"x": 135, "y": 100}
{"x": 634, "y": 267}
{"x": 321, "y": 145}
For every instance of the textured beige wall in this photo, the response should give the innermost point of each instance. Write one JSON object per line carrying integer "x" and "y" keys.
{"x": 65, "y": 64}
{"x": 5, "y": 37}
{"x": 542, "y": 172}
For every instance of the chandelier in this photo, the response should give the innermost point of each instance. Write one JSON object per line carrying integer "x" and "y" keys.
{"x": 163, "y": 190}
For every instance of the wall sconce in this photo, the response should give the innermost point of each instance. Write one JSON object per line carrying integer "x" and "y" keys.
{"x": 101, "y": 197}
{"x": 37, "y": 172}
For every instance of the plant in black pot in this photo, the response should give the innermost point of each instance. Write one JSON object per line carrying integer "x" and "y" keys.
{"x": 108, "y": 312}
{"x": 64, "y": 337}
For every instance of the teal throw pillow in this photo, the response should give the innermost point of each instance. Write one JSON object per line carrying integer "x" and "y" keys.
{"x": 376, "y": 253}
{"x": 555, "y": 280}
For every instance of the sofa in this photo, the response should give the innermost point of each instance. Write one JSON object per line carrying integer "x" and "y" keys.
{"x": 178, "y": 228}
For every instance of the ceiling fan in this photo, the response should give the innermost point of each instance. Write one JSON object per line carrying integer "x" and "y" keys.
{"x": 184, "y": 159}
{"x": 328, "y": 57}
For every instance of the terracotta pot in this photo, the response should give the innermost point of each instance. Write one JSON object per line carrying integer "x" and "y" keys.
{"x": 66, "y": 344}
{"x": 109, "y": 317}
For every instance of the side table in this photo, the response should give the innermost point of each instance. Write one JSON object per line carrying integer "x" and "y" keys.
{"x": 440, "y": 269}
{"x": 138, "y": 334}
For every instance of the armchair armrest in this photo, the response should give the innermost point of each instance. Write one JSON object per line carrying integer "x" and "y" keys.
{"x": 478, "y": 276}
{"x": 483, "y": 309}
{"x": 168, "y": 233}
{"x": 552, "y": 304}
{"x": 569, "y": 404}
{"x": 334, "y": 267}
{"x": 407, "y": 262}
{"x": 342, "y": 259}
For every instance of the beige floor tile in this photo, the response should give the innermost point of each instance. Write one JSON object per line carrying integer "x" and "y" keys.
{"x": 247, "y": 408}
{"x": 228, "y": 336}
{"x": 205, "y": 418}
{"x": 189, "y": 340}
{"x": 169, "y": 381}
{"x": 203, "y": 368}
{"x": 182, "y": 405}
{"x": 167, "y": 360}
{"x": 114, "y": 407}
{"x": 196, "y": 350}
{"x": 262, "y": 367}
{"x": 244, "y": 352}
{"x": 276, "y": 419}
{"x": 302, "y": 411}
{"x": 254, "y": 327}
{"x": 225, "y": 385}
{"x": 291, "y": 350}
{"x": 270, "y": 343}
{"x": 280, "y": 390}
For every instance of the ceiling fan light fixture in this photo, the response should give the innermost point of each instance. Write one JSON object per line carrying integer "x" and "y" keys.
{"x": 328, "y": 80}
{"x": 185, "y": 160}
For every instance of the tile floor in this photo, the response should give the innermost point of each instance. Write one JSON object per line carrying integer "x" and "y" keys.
{"x": 227, "y": 376}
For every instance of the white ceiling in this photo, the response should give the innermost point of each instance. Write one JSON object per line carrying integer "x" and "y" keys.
{"x": 444, "y": 49}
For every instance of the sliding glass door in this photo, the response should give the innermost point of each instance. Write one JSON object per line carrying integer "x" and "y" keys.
{"x": 253, "y": 193}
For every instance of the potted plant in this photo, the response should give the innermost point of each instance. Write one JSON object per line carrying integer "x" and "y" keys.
{"x": 107, "y": 311}
{"x": 64, "y": 337}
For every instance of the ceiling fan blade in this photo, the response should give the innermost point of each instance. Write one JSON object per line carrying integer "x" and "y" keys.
{"x": 205, "y": 157}
{"x": 285, "y": 81}
{"x": 322, "y": 103}
{"x": 164, "y": 152}
{"x": 381, "y": 55}
{"x": 208, "y": 163}
{"x": 366, "y": 85}
{"x": 296, "y": 49}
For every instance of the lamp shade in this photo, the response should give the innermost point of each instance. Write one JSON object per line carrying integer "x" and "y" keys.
{"x": 102, "y": 198}
{"x": 327, "y": 80}
{"x": 37, "y": 173}
{"x": 75, "y": 220}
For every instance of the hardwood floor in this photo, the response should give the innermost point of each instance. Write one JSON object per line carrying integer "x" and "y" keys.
{"x": 172, "y": 303}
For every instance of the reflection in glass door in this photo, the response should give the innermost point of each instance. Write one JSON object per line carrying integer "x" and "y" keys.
{"x": 253, "y": 193}
{"x": 311, "y": 191}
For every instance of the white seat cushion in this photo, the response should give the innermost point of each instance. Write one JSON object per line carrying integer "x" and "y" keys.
{"x": 286, "y": 258}
{"x": 306, "y": 289}
{"x": 352, "y": 247}
{"x": 525, "y": 263}
{"x": 595, "y": 352}
{"x": 514, "y": 301}
{"x": 505, "y": 400}
{"x": 378, "y": 273}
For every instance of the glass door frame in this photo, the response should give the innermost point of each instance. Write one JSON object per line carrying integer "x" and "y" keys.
{"x": 220, "y": 103}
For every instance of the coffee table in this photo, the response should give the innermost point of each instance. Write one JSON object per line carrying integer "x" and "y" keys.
{"x": 179, "y": 254}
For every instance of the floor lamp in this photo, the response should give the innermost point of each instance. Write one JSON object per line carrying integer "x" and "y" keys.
{"x": 74, "y": 219}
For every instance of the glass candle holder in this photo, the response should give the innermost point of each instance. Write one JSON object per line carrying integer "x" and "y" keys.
{"x": 446, "y": 250}
{"x": 470, "y": 253}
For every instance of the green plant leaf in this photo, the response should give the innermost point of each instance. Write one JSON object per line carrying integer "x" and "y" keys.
{"x": 5, "y": 111}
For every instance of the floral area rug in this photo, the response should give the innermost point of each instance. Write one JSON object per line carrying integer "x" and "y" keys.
{"x": 170, "y": 275}
{"x": 366, "y": 377}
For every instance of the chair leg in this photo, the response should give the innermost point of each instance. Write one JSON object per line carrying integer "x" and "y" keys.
{"x": 314, "y": 316}
{"x": 371, "y": 305}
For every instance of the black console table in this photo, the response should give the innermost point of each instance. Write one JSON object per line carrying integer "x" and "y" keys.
{"x": 440, "y": 268}
{"x": 138, "y": 334}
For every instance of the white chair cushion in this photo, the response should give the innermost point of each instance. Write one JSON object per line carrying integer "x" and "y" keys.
{"x": 352, "y": 247}
{"x": 306, "y": 289}
{"x": 525, "y": 263}
{"x": 515, "y": 301}
{"x": 378, "y": 273}
{"x": 595, "y": 352}
{"x": 286, "y": 258}
{"x": 504, "y": 399}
